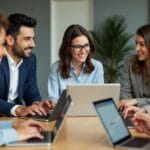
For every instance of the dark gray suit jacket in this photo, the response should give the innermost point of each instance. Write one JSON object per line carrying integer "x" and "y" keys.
{"x": 131, "y": 84}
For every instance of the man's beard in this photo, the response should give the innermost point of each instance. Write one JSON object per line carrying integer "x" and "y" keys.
{"x": 21, "y": 53}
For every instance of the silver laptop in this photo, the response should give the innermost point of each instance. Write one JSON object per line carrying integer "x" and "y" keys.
{"x": 83, "y": 94}
{"x": 116, "y": 130}
{"x": 49, "y": 137}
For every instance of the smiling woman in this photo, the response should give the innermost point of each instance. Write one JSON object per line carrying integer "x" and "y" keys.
{"x": 75, "y": 64}
{"x": 80, "y": 48}
{"x": 135, "y": 74}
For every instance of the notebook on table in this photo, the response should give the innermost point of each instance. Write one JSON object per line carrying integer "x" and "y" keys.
{"x": 52, "y": 115}
{"x": 116, "y": 130}
{"x": 50, "y": 136}
{"x": 83, "y": 94}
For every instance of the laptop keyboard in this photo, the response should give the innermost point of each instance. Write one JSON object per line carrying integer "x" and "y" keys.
{"x": 137, "y": 142}
{"x": 47, "y": 138}
{"x": 127, "y": 120}
{"x": 40, "y": 116}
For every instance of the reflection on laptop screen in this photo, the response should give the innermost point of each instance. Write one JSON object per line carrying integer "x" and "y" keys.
{"x": 62, "y": 115}
{"x": 111, "y": 119}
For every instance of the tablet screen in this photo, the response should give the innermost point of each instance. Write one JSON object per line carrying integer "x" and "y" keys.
{"x": 111, "y": 119}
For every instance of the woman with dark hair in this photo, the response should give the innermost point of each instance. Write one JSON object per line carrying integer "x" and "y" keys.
{"x": 76, "y": 65}
{"x": 3, "y": 28}
{"x": 135, "y": 74}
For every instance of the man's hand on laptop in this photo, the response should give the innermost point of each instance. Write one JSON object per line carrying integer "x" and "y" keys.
{"x": 32, "y": 110}
{"x": 47, "y": 104}
{"x": 40, "y": 108}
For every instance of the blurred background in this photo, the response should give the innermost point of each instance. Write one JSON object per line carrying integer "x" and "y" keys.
{"x": 54, "y": 16}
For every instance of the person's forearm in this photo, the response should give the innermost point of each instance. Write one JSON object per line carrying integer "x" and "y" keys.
{"x": 143, "y": 101}
{"x": 5, "y": 107}
{"x": 7, "y": 136}
{"x": 5, "y": 124}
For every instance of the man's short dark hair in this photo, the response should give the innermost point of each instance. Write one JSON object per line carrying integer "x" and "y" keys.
{"x": 17, "y": 20}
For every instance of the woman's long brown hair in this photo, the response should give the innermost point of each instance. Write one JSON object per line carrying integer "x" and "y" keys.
{"x": 140, "y": 66}
{"x": 72, "y": 32}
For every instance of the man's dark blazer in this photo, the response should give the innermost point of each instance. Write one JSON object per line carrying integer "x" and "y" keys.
{"x": 27, "y": 85}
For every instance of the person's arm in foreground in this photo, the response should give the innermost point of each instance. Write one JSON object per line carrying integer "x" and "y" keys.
{"x": 20, "y": 132}
{"x": 141, "y": 122}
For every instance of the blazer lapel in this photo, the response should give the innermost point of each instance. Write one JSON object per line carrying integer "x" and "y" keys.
{"x": 5, "y": 66}
{"x": 139, "y": 85}
{"x": 22, "y": 74}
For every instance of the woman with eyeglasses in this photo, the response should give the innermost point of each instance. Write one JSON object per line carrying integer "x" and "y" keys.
{"x": 75, "y": 64}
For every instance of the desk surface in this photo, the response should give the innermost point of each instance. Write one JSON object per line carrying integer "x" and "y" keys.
{"x": 78, "y": 133}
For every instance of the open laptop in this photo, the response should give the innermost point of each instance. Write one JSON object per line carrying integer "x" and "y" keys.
{"x": 116, "y": 130}
{"x": 52, "y": 115}
{"x": 83, "y": 94}
{"x": 50, "y": 136}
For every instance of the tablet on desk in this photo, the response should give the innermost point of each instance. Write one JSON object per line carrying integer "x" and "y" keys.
{"x": 117, "y": 132}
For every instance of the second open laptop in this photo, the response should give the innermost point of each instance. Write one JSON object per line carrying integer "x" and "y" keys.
{"x": 116, "y": 130}
{"x": 54, "y": 114}
{"x": 83, "y": 94}
{"x": 49, "y": 137}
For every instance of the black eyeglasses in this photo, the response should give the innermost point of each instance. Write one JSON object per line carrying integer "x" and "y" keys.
{"x": 79, "y": 48}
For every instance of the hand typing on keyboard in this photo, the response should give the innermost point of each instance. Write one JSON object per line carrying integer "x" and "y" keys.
{"x": 40, "y": 108}
{"x": 130, "y": 111}
{"x": 29, "y": 129}
{"x": 47, "y": 104}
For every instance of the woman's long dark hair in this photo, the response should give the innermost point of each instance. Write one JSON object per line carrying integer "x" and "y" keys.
{"x": 140, "y": 66}
{"x": 3, "y": 22}
{"x": 72, "y": 32}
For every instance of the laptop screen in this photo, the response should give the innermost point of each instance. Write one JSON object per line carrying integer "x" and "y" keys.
{"x": 111, "y": 119}
{"x": 61, "y": 117}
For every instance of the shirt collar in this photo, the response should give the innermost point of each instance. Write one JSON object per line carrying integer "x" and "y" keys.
{"x": 11, "y": 62}
{"x": 72, "y": 67}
